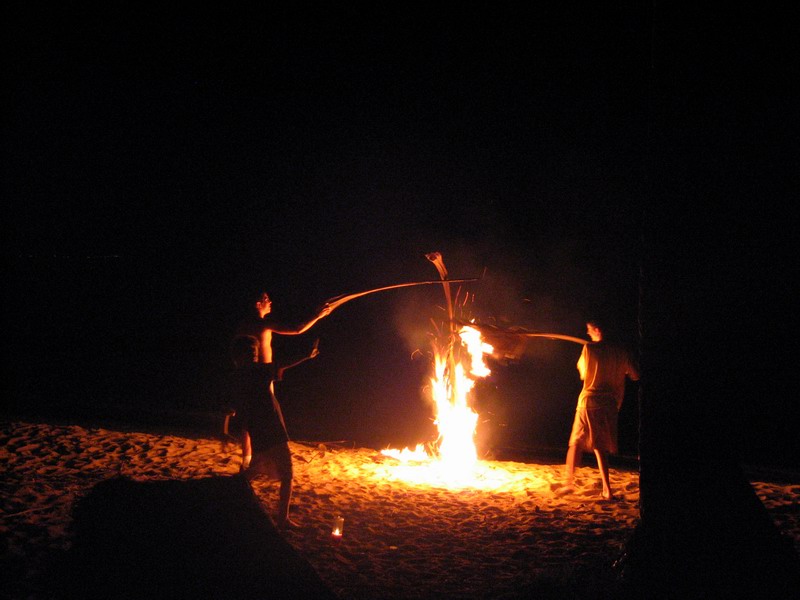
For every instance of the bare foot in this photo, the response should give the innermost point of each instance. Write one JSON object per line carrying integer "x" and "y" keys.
{"x": 608, "y": 496}
{"x": 287, "y": 524}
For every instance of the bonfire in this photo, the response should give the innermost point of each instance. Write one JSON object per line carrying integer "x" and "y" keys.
{"x": 451, "y": 460}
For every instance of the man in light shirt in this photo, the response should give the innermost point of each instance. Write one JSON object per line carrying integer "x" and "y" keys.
{"x": 603, "y": 367}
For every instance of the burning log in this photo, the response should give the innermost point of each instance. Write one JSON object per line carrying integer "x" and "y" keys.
{"x": 453, "y": 456}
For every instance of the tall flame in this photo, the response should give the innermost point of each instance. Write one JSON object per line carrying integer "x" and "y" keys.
{"x": 456, "y": 454}
{"x": 454, "y": 462}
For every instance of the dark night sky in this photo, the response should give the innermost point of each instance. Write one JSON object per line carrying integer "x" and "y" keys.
{"x": 159, "y": 163}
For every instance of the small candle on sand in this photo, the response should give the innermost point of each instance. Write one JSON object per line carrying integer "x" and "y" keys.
{"x": 338, "y": 528}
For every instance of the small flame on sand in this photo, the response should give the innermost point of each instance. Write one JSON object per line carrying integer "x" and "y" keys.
{"x": 455, "y": 462}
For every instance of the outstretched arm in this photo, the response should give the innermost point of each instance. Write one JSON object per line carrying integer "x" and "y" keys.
{"x": 284, "y": 329}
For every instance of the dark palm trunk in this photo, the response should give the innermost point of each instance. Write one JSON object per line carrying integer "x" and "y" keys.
{"x": 711, "y": 303}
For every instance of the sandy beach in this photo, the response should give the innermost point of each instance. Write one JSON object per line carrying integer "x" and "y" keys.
{"x": 508, "y": 533}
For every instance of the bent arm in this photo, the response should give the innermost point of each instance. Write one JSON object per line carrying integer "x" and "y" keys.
{"x": 279, "y": 371}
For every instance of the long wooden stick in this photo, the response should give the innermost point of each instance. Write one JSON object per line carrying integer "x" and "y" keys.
{"x": 557, "y": 336}
{"x": 491, "y": 330}
{"x": 438, "y": 262}
{"x": 337, "y": 301}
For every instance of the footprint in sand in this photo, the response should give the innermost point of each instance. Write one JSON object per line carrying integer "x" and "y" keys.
{"x": 562, "y": 490}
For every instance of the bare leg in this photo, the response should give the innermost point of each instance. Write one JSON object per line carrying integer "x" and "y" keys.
{"x": 569, "y": 467}
{"x": 285, "y": 498}
{"x": 602, "y": 466}
{"x": 247, "y": 450}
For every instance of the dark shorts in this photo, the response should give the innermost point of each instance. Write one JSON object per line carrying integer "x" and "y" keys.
{"x": 274, "y": 462}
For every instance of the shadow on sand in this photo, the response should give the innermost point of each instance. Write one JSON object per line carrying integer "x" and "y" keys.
{"x": 203, "y": 538}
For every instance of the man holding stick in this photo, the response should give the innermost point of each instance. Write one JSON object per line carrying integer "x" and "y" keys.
{"x": 261, "y": 325}
{"x": 603, "y": 367}
{"x": 261, "y": 419}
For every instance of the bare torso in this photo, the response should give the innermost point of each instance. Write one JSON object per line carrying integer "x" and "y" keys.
{"x": 265, "y": 352}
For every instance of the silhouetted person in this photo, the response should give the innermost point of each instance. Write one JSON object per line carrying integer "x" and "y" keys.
{"x": 263, "y": 428}
{"x": 260, "y": 324}
{"x": 603, "y": 367}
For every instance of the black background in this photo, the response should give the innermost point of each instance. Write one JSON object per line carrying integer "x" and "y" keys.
{"x": 163, "y": 164}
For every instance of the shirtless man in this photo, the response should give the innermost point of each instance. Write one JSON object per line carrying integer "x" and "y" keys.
{"x": 261, "y": 325}
{"x": 261, "y": 419}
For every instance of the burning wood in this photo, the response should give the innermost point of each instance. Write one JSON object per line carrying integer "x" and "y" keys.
{"x": 459, "y": 351}
{"x": 454, "y": 457}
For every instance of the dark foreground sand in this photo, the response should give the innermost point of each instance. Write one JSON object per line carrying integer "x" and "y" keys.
{"x": 92, "y": 512}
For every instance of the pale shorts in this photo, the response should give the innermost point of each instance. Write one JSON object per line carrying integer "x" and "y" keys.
{"x": 595, "y": 426}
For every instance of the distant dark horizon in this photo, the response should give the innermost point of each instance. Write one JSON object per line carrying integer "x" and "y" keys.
{"x": 160, "y": 165}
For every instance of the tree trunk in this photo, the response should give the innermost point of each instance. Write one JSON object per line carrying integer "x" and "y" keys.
{"x": 710, "y": 307}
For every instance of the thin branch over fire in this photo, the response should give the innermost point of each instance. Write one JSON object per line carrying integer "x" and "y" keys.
{"x": 337, "y": 301}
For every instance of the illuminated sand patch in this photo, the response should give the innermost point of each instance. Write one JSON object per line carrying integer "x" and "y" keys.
{"x": 401, "y": 539}
{"x": 508, "y": 477}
